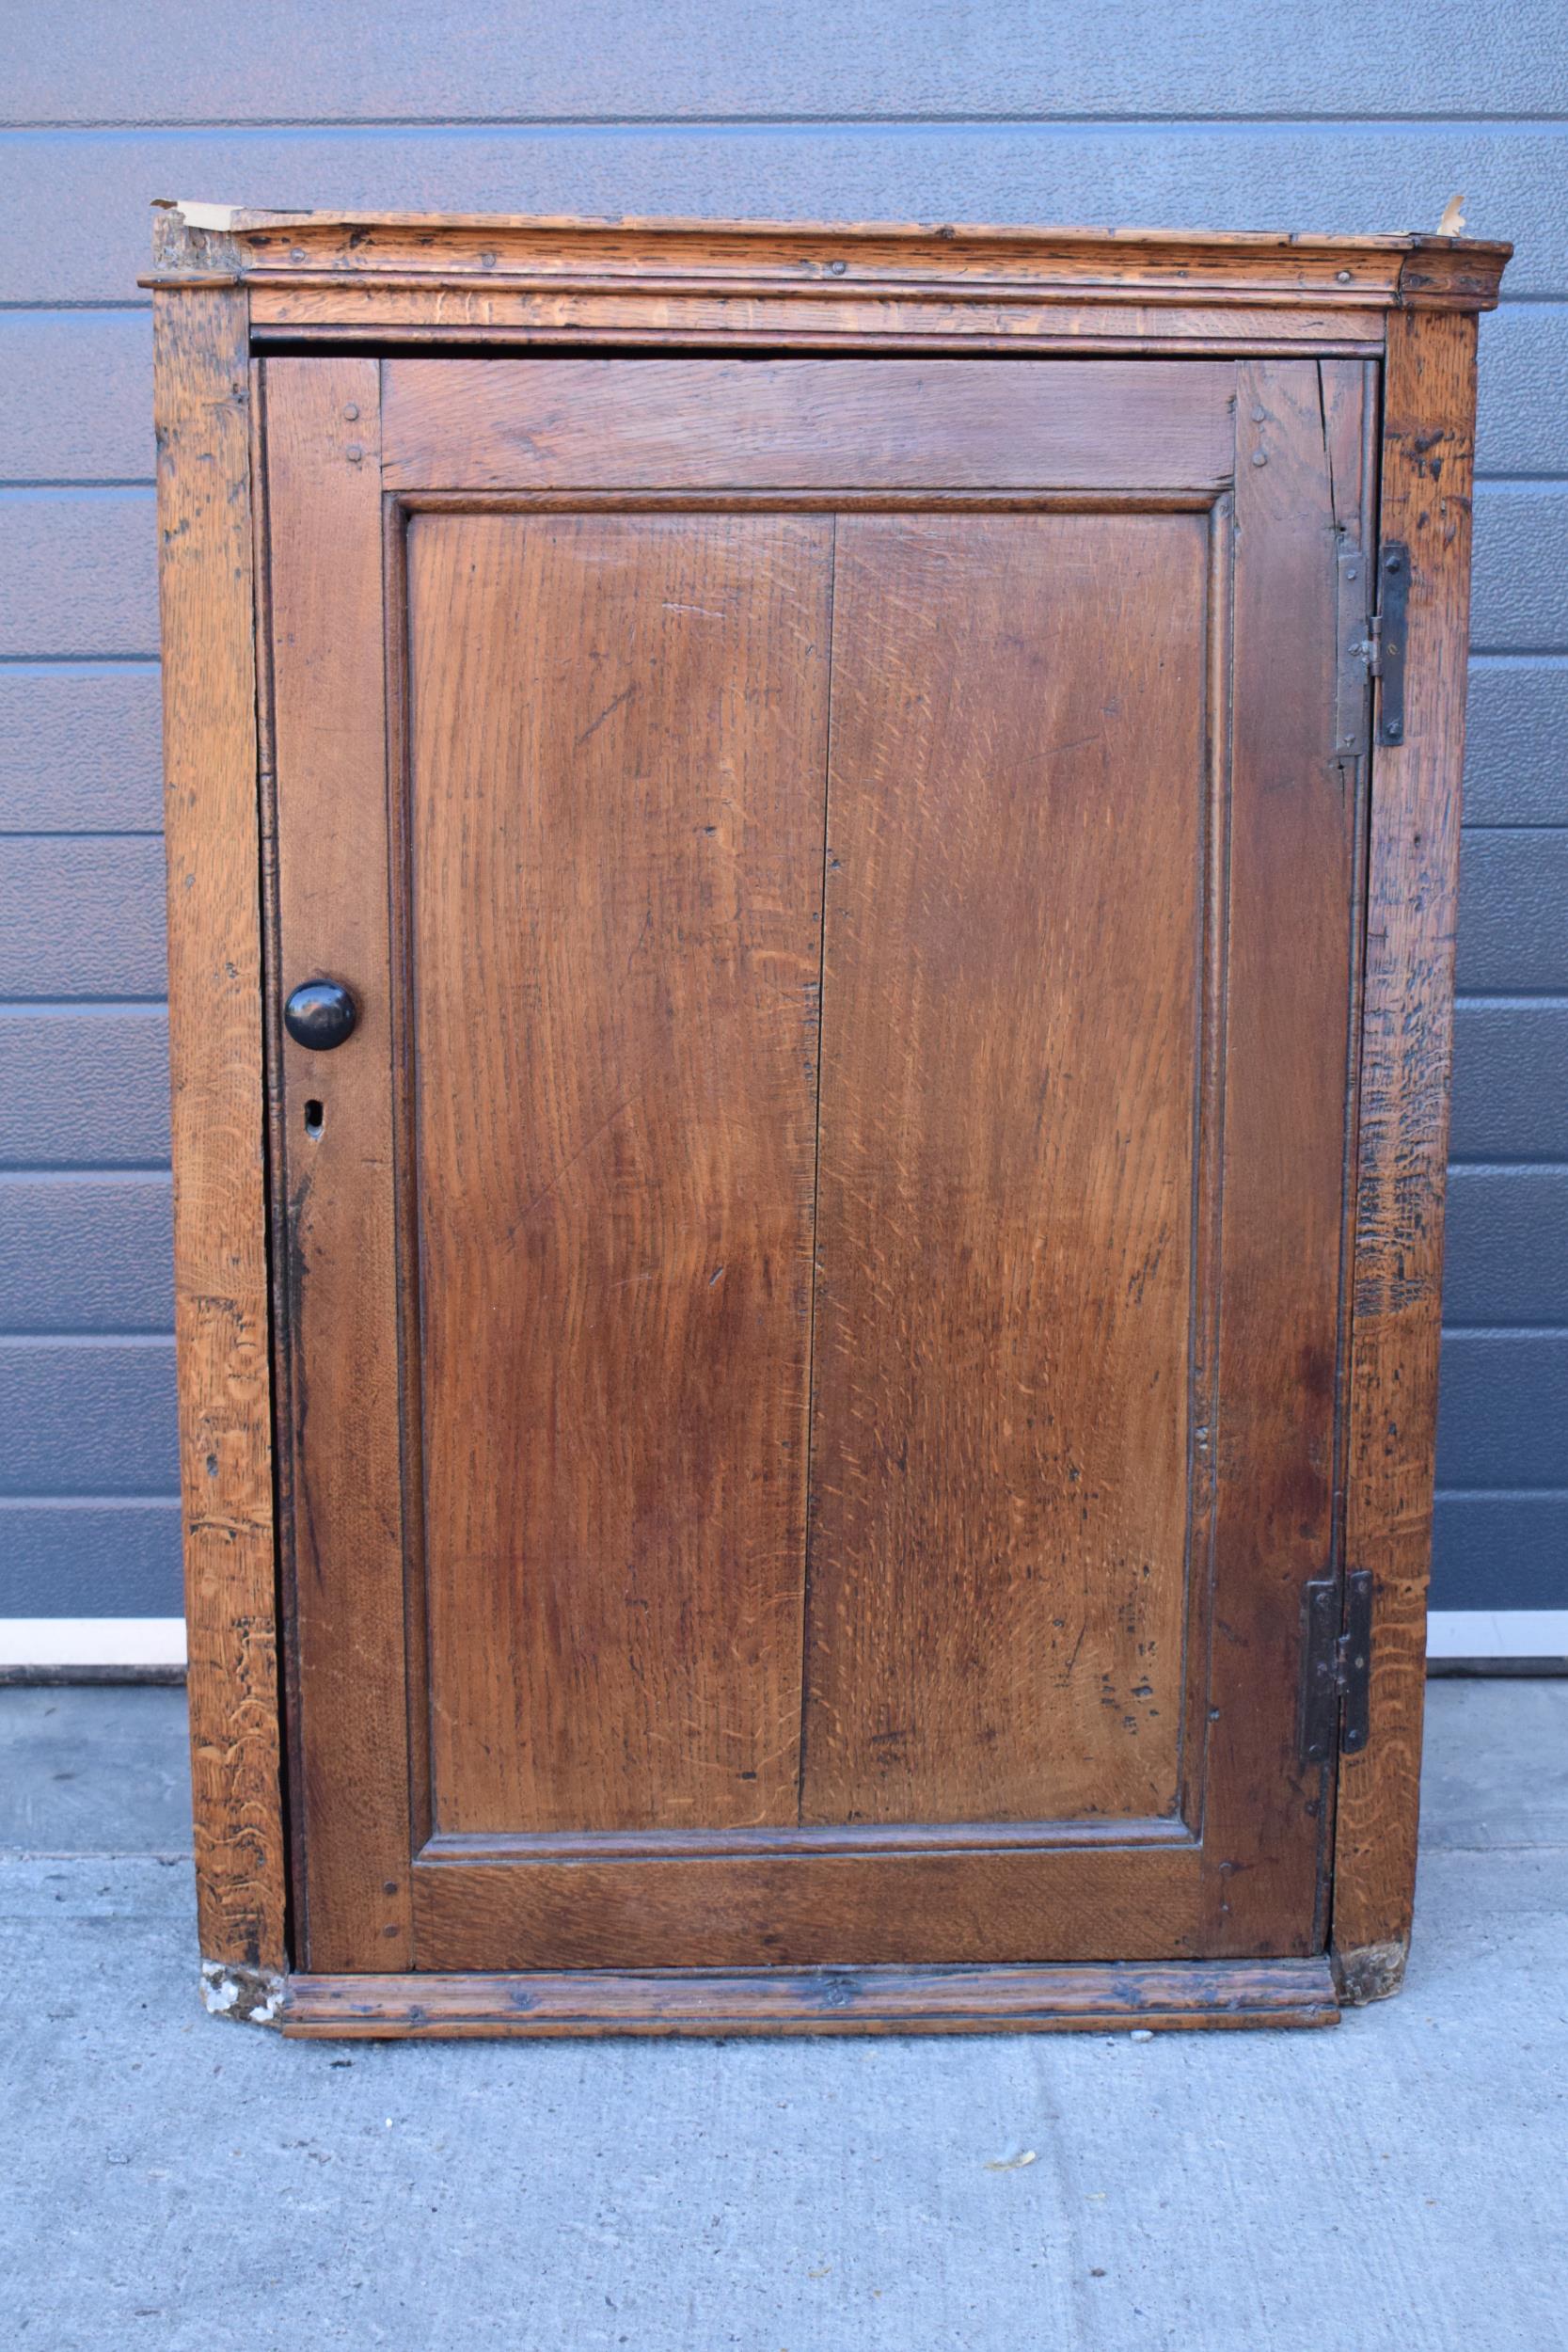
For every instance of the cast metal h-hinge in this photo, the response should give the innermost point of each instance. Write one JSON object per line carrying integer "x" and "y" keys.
{"x": 1337, "y": 1670}
{"x": 1372, "y": 646}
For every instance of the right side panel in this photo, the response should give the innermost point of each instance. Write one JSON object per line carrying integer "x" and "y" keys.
{"x": 1012, "y": 1000}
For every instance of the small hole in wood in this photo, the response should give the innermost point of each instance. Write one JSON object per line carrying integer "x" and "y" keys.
{"x": 315, "y": 1118}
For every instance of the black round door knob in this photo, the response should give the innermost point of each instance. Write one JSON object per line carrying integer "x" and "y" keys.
{"x": 320, "y": 1014}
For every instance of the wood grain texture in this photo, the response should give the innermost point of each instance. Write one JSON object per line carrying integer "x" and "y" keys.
{"x": 944, "y": 263}
{"x": 619, "y": 740}
{"x": 1083, "y": 1998}
{"x": 1001, "y": 1428}
{"x": 1287, "y": 995}
{"x": 1015, "y": 1459}
{"x": 1275, "y": 1448}
{"x": 940, "y": 1905}
{"x": 409, "y": 314}
{"x": 523, "y": 424}
{"x": 221, "y": 1307}
{"x": 819, "y": 286}
{"x": 333, "y": 892}
{"x": 1428, "y": 431}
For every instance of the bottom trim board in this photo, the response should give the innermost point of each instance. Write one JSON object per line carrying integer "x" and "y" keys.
{"x": 1478, "y": 1635}
{"x": 1081, "y": 1996}
{"x": 57, "y": 1644}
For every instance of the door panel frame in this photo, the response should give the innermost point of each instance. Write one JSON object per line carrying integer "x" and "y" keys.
{"x": 339, "y": 1265}
{"x": 375, "y": 1895}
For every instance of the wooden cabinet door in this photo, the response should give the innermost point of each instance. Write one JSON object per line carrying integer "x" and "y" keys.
{"x": 813, "y": 1293}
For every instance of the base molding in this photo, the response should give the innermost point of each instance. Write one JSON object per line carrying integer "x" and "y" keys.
{"x": 1061, "y": 1997}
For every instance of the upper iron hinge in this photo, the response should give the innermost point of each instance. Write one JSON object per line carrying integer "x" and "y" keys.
{"x": 1388, "y": 636}
{"x": 1337, "y": 1667}
{"x": 1372, "y": 646}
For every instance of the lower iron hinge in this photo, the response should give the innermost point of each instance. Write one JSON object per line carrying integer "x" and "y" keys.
{"x": 1337, "y": 1667}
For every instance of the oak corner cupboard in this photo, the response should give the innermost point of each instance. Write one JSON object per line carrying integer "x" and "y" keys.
{"x": 811, "y": 896}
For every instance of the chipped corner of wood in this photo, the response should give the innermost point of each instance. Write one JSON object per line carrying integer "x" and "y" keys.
{"x": 1370, "y": 1972}
{"x": 193, "y": 240}
{"x": 250, "y": 1996}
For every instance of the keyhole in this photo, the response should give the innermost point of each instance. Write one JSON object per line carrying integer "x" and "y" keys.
{"x": 314, "y": 1118}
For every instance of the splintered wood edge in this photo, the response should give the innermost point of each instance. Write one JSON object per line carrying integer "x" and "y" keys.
{"x": 1078, "y": 1997}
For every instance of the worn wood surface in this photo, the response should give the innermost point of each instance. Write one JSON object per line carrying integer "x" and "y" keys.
{"x": 1288, "y": 998}
{"x": 936, "y": 1904}
{"x": 948, "y": 263}
{"x": 819, "y": 286}
{"x": 336, "y": 1173}
{"x": 909, "y": 289}
{"x": 484, "y": 424}
{"x": 405, "y": 314}
{"x": 201, "y": 397}
{"x": 1023, "y": 1431}
{"x": 1427, "y": 457}
{"x": 1084, "y": 1999}
{"x": 1000, "y": 1427}
{"x": 619, "y": 731}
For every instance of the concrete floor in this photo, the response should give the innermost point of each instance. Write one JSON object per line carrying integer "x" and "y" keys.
{"x": 1399, "y": 2185}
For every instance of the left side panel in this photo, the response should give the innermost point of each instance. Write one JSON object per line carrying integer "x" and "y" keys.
{"x": 335, "y": 1176}
{"x": 201, "y": 405}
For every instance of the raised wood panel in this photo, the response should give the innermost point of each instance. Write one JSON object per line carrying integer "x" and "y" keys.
{"x": 1006, "y": 1227}
{"x": 526, "y": 425}
{"x": 619, "y": 731}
